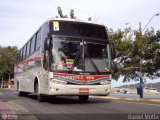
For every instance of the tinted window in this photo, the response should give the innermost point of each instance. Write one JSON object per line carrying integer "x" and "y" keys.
{"x": 45, "y": 32}
{"x": 38, "y": 39}
{"x": 24, "y": 52}
{"x": 28, "y": 49}
{"x": 78, "y": 29}
{"x": 33, "y": 44}
{"x": 21, "y": 55}
{"x": 18, "y": 57}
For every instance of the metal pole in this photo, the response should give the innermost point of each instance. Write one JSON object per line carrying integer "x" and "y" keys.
{"x": 150, "y": 21}
{"x": 141, "y": 76}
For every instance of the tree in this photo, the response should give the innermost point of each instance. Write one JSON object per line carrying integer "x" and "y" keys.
{"x": 115, "y": 40}
{"x": 7, "y": 61}
{"x": 131, "y": 49}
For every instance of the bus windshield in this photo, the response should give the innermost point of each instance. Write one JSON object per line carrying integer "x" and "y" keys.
{"x": 78, "y": 54}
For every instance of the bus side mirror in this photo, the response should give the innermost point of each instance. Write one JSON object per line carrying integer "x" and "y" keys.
{"x": 46, "y": 44}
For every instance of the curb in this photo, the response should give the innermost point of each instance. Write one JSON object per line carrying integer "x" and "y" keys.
{"x": 133, "y": 99}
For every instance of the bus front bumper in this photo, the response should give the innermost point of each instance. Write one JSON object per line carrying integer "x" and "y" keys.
{"x": 100, "y": 90}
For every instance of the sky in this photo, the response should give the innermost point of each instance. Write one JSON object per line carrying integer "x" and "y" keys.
{"x": 20, "y": 19}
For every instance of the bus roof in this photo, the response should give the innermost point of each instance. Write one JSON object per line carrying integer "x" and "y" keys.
{"x": 74, "y": 20}
{"x": 69, "y": 20}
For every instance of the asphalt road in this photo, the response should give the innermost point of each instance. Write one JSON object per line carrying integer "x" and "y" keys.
{"x": 69, "y": 108}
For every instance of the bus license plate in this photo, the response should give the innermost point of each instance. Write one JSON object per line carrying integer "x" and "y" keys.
{"x": 83, "y": 90}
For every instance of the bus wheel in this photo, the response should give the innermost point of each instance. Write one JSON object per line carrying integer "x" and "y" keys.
{"x": 20, "y": 94}
{"x": 40, "y": 98}
{"x": 83, "y": 98}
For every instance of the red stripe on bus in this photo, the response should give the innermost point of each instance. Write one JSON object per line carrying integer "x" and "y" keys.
{"x": 81, "y": 77}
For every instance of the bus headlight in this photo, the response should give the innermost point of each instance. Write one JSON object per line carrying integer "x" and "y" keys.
{"x": 58, "y": 81}
{"x": 106, "y": 82}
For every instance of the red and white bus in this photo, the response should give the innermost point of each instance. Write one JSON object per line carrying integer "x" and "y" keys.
{"x": 81, "y": 66}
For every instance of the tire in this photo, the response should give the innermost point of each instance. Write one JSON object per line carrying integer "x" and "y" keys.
{"x": 40, "y": 98}
{"x": 20, "y": 93}
{"x": 83, "y": 98}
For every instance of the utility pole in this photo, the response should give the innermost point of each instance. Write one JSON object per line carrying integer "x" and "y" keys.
{"x": 140, "y": 57}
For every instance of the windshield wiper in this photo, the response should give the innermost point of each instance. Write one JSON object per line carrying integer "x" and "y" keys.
{"x": 93, "y": 63}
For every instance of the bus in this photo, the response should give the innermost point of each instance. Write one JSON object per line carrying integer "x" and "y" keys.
{"x": 81, "y": 67}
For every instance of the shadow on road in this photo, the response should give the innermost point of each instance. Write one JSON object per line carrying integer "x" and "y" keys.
{"x": 8, "y": 94}
{"x": 67, "y": 99}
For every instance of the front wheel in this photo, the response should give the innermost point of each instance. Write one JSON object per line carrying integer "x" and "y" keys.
{"x": 83, "y": 98}
{"x": 40, "y": 98}
{"x": 20, "y": 93}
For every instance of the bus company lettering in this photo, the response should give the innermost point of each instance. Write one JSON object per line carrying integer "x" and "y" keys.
{"x": 80, "y": 77}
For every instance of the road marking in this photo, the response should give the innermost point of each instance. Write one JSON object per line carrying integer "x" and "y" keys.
{"x": 157, "y": 105}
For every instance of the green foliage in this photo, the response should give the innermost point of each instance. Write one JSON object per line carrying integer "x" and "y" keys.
{"x": 135, "y": 46}
{"x": 7, "y": 61}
